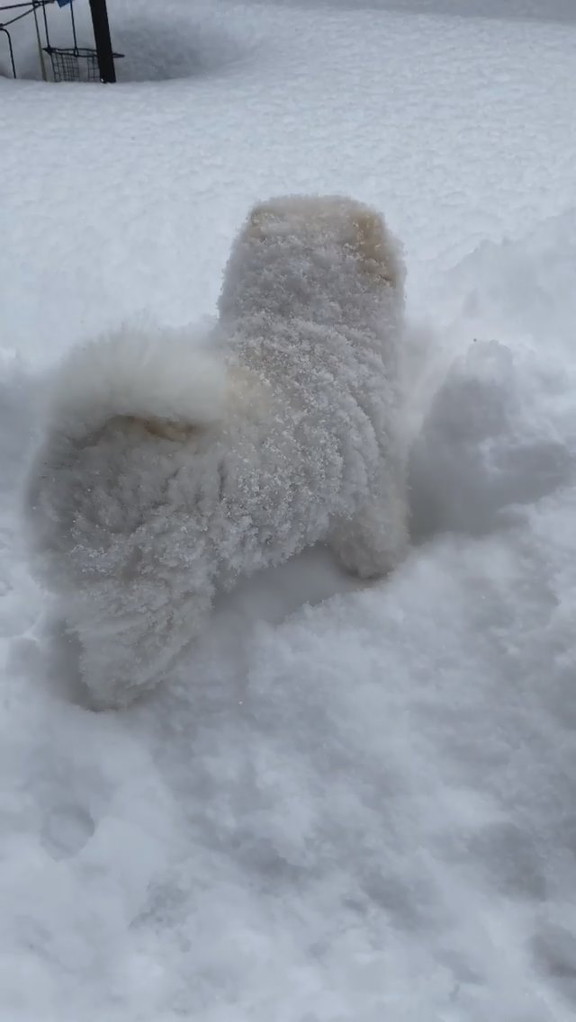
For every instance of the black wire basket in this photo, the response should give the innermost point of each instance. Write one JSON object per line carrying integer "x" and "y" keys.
{"x": 75, "y": 63}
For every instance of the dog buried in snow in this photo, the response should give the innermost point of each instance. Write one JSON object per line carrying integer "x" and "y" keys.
{"x": 167, "y": 472}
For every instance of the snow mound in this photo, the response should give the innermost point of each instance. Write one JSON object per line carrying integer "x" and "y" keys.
{"x": 484, "y": 447}
{"x": 501, "y": 428}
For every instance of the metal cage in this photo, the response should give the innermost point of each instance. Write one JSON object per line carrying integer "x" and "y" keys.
{"x": 68, "y": 63}
{"x": 73, "y": 64}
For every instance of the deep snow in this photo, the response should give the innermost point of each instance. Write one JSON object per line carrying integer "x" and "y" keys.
{"x": 357, "y": 809}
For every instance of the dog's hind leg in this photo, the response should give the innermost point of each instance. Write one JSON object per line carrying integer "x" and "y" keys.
{"x": 374, "y": 540}
{"x": 123, "y": 655}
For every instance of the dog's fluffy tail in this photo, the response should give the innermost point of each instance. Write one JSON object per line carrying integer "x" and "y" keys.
{"x": 160, "y": 377}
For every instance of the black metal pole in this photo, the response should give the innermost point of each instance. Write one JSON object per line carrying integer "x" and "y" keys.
{"x": 103, "y": 41}
{"x": 10, "y": 50}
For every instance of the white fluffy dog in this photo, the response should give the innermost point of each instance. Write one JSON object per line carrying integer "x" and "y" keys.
{"x": 167, "y": 472}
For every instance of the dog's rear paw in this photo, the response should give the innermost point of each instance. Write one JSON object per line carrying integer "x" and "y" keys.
{"x": 114, "y": 694}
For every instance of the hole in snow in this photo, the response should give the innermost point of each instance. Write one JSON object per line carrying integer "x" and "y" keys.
{"x": 153, "y": 50}
{"x": 160, "y": 50}
{"x": 66, "y": 830}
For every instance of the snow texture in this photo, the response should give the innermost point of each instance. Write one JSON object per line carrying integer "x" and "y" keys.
{"x": 349, "y": 802}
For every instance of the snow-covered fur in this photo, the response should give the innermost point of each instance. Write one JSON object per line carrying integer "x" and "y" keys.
{"x": 166, "y": 472}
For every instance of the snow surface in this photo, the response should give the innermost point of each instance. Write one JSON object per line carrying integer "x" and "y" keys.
{"x": 356, "y": 809}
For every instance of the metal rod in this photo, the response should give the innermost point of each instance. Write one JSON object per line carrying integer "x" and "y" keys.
{"x": 73, "y": 20}
{"x": 103, "y": 41}
{"x": 7, "y": 34}
{"x": 46, "y": 32}
{"x": 40, "y": 53}
{"x": 17, "y": 17}
{"x": 28, "y": 3}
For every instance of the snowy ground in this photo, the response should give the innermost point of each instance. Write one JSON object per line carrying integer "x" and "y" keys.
{"x": 355, "y": 810}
